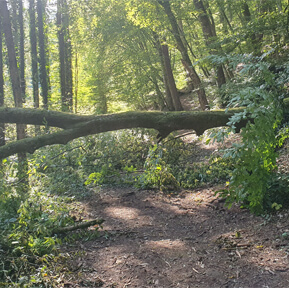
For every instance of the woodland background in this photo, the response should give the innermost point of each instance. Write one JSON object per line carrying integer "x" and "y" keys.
{"x": 69, "y": 69}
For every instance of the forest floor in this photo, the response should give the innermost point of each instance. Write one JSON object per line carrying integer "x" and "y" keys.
{"x": 152, "y": 239}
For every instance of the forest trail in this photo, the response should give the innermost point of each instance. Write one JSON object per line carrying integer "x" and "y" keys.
{"x": 150, "y": 239}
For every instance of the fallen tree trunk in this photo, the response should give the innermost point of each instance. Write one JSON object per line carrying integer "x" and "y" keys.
{"x": 42, "y": 117}
{"x": 76, "y": 126}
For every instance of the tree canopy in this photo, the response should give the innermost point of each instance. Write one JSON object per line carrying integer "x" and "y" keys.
{"x": 110, "y": 56}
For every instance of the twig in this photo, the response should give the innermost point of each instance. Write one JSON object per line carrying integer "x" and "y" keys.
{"x": 61, "y": 153}
{"x": 196, "y": 270}
{"x": 180, "y": 136}
{"x": 69, "y": 150}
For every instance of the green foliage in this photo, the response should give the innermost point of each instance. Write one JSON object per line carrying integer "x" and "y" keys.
{"x": 10, "y": 199}
{"x": 216, "y": 170}
{"x": 118, "y": 68}
{"x": 157, "y": 173}
{"x": 277, "y": 194}
{"x": 28, "y": 235}
{"x": 129, "y": 159}
{"x": 255, "y": 156}
{"x": 28, "y": 243}
{"x": 112, "y": 158}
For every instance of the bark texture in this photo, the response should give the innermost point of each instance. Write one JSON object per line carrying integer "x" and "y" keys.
{"x": 209, "y": 32}
{"x": 16, "y": 84}
{"x": 34, "y": 61}
{"x": 65, "y": 55}
{"x": 169, "y": 100}
{"x": 13, "y": 67}
{"x": 186, "y": 61}
{"x": 42, "y": 55}
{"x": 21, "y": 51}
{"x": 170, "y": 78}
{"x": 76, "y": 126}
{"x": 2, "y": 125}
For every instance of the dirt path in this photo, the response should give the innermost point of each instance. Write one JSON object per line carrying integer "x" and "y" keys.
{"x": 153, "y": 240}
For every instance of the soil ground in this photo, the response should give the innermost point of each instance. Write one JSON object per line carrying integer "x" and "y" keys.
{"x": 151, "y": 239}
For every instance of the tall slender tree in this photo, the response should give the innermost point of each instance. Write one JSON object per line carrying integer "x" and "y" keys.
{"x": 196, "y": 81}
{"x": 209, "y": 32}
{"x": 170, "y": 78}
{"x": 22, "y": 50}
{"x": 15, "y": 80}
{"x": 65, "y": 55}
{"x": 18, "y": 34}
{"x": 42, "y": 55}
{"x": 34, "y": 58}
{"x": 2, "y": 125}
{"x": 255, "y": 39}
{"x": 169, "y": 100}
{"x": 13, "y": 66}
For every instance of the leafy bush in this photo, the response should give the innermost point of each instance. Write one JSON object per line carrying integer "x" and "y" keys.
{"x": 27, "y": 224}
{"x": 157, "y": 173}
{"x": 277, "y": 194}
{"x": 255, "y": 156}
{"x": 216, "y": 171}
{"x": 28, "y": 236}
{"x": 166, "y": 166}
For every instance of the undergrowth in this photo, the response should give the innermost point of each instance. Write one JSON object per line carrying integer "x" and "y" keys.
{"x": 255, "y": 182}
{"x": 60, "y": 176}
{"x": 29, "y": 246}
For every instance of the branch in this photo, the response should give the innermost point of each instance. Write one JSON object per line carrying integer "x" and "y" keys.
{"x": 164, "y": 122}
{"x": 42, "y": 117}
{"x": 77, "y": 226}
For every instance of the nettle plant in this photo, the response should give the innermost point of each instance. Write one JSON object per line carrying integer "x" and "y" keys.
{"x": 255, "y": 156}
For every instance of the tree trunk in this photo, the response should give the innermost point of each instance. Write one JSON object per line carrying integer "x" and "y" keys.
{"x": 2, "y": 125}
{"x": 169, "y": 100}
{"x": 21, "y": 51}
{"x": 34, "y": 58}
{"x": 185, "y": 57}
{"x": 16, "y": 84}
{"x": 65, "y": 55}
{"x": 68, "y": 56}
{"x": 61, "y": 47}
{"x": 42, "y": 55}
{"x": 76, "y": 126}
{"x": 209, "y": 33}
{"x": 171, "y": 80}
{"x": 170, "y": 103}
{"x": 255, "y": 38}
{"x": 13, "y": 67}
{"x": 14, "y": 11}
{"x": 34, "y": 61}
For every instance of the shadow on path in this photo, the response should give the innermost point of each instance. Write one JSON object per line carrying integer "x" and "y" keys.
{"x": 153, "y": 240}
